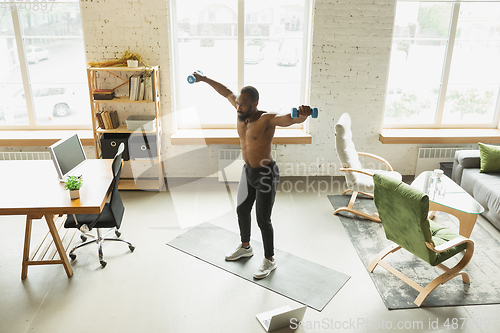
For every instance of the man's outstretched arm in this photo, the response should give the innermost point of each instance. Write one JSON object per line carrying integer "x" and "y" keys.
{"x": 219, "y": 87}
{"x": 287, "y": 120}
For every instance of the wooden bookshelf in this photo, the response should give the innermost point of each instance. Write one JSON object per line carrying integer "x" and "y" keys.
{"x": 120, "y": 129}
{"x": 113, "y": 69}
{"x": 119, "y": 99}
{"x": 157, "y": 183}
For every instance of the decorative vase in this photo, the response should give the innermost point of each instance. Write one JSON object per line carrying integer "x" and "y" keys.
{"x": 132, "y": 63}
{"x": 74, "y": 194}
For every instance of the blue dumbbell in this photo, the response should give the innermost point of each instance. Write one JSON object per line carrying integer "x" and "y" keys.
{"x": 314, "y": 112}
{"x": 192, "y": 79}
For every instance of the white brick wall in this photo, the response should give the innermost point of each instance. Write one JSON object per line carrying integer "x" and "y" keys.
{"x": 112, "y": 26}
{"x": 350, "y": 58}
{"x": 351, "y": 49}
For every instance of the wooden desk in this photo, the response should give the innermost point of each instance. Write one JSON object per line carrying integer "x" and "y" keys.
{"x": 32, "y": 188}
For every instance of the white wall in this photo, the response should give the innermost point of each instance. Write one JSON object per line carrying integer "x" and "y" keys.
{"x": 350, "y": 58}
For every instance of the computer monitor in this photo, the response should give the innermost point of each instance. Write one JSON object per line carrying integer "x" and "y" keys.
{"x": 67, "y": 155}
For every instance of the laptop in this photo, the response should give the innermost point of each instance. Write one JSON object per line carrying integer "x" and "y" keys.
{"x": 281, "y": 317}
{"x": 67, "y": 155}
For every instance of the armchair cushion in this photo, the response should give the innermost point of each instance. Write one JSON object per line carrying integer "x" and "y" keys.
{"x": 403, "y": 211}
{"x": 345, "y": 148}
{"x": 441, "y": 235}
{"x": 349, "y": 158}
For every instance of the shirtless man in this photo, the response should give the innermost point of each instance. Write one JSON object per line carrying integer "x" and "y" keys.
{"x": 260, "y": 175}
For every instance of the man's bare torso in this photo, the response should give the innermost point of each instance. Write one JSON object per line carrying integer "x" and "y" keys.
{"x": 255, "y": 139}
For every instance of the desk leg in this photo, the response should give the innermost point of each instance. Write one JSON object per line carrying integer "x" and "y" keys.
{"x": 466, "y": 221}
{"x": 58, "y": 244}
{"x": 26, "y": 252}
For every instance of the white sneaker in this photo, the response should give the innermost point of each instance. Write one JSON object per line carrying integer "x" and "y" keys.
{"x": 240, "y": 252}
{"x": 265, "y": 268}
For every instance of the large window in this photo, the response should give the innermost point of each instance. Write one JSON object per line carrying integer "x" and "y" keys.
{"x": 252, "y": 42}
{"x": 43, "y": 81}
{"x": 445, "y": 65}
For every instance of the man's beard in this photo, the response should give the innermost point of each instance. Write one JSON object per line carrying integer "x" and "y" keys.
{"x": 243, "y": 117}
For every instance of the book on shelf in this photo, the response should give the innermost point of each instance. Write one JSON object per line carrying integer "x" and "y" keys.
{"x": 141, "y": 91}
{"x": 107, "y": 119}
{"x": 141, "y": 87}
{"x": 104, "y": 122}
{"x": 134, "y": 84}
{"x": 114, "y": 119}
{"x": 103, "y": 91}
{"x": 148, "y": 88}
{"x": 99, "y": 119}
{"x": 103, "y": 94}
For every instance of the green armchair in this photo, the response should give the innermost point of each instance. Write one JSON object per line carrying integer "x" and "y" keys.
{"x": 403, "y": 211}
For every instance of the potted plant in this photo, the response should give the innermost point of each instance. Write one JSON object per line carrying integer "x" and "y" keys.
{"x": 73, "y": 184}
{"x": 133, "y": 63}
{"x": 133, "y": 59}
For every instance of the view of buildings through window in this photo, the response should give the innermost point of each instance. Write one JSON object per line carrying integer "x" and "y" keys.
{"x": 275, "y": 35}
{"x": 444, "y": 68}
{"x": 445, "y": 65}
{"x": 51, "y": 38}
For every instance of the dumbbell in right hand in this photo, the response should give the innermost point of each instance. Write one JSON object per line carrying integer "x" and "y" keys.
{"x": 314, "y": 112}
{"x": 192, "y": 79}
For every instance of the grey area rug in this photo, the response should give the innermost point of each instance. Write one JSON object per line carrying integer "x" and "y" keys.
{"x": 369, "y": 239}
{"x": 296, "y": 278}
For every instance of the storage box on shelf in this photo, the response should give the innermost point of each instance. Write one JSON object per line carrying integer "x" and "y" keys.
{"x": 143, "y": 146}
{"x": 110, "y": 143}
{"x": 144, "y": 143}
{"x": 143, "y": 123}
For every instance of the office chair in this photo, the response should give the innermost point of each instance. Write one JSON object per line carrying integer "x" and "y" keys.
{"x": 358, "y": 179}
{"x": 110, "y": 217}
{"x": 403, "y": 210}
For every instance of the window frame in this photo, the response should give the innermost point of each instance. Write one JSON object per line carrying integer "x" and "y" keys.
{"x": 450, "y": 43}
{"x": 175, "y": 75}
{"x": 23, "y": 66}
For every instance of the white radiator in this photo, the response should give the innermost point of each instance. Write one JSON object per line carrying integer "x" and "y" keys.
{"x": 230, "y": 164}
{"x": 24, "y": 155}
{"x": 429, "y": 158}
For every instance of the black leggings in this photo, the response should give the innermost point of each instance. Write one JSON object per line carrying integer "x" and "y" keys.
{"x": 258, "y": 184}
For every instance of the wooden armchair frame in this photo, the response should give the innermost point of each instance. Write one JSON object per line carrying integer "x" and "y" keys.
{"x": 355, "y": 193}
{"x": 449, "y": 273}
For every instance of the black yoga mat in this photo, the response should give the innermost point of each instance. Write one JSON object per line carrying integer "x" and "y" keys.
{"x": 296, "y": 278}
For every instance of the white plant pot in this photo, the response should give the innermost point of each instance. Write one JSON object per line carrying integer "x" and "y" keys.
{"x": 132, "y": 63}
{"x": 74, "y": 194}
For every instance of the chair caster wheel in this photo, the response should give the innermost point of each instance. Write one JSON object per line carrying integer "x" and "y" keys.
{"x": 72, "y": 256}
{"x": 103, "y": 263}
{"x": 83, "y": 238}
{"x": 132, "y": 248}
{"x": 117, "y": 233}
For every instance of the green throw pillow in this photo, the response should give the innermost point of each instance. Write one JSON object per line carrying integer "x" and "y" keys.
{"x": 490, "y": 158}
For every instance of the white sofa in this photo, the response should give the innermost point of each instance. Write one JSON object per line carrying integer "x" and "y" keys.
{"x": 484, "y": 187}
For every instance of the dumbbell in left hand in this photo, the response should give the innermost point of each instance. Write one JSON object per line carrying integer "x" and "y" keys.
{"x": 314, "y": 112}
{"x": 191, "y": 78}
